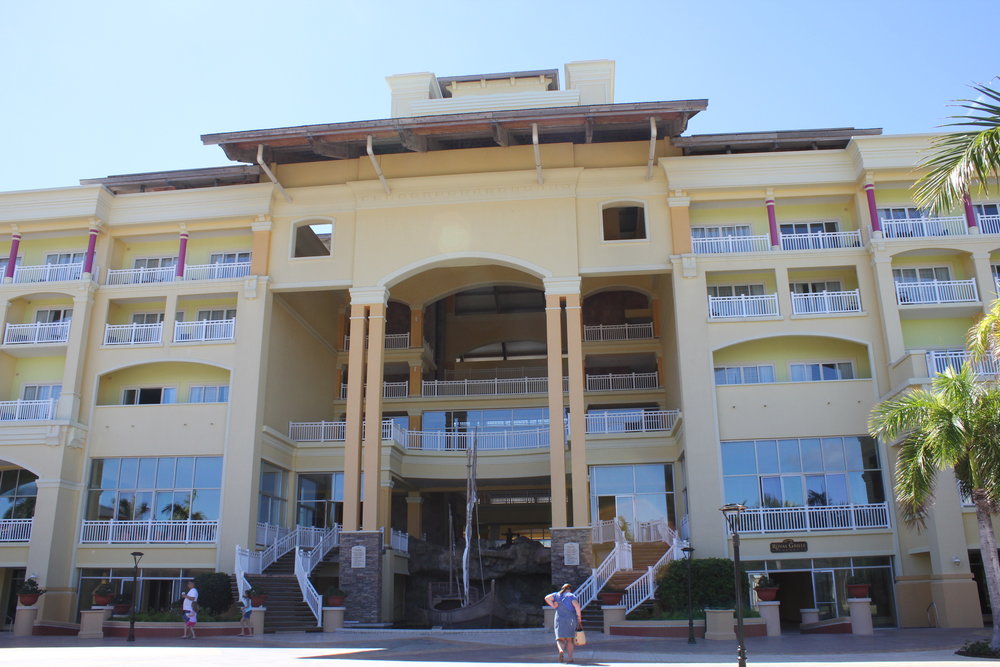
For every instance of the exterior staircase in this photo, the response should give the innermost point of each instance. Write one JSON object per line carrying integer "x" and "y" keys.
{"x": 644, "y": 556}
{"x": 286, "y": 612}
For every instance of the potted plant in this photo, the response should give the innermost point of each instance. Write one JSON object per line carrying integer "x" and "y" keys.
{"x": 29, "y": 592}
{"x": 257, "y": 597}
{"x": 767, "y": 589}
{"x": 335, "y": 597}
{"x": 121, "y": 604}
{"x": 103, "y": 594}
{"x": 857, "y": 587}
{"x": 611, "y": 596}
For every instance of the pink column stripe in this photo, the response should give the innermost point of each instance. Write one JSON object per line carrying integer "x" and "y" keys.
{"x": 88, "y": 259}
{"x": 15, "y": 243}
{"x": 182, "y": 250}
{"x": 970, "y": 213}
{"x": 772, "y": 223}
{"x": 872, "y": 207}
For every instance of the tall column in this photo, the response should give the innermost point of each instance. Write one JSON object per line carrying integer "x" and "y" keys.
{"x": 414, "y": 514}
{"x": 385, "y": 506}
{"x": 680, "y": 223}
{"x": 772, "y": 221}
{"x": 15, "y": 245}
{"x": 352, "y": 429}
{"x": 88, "y": 258}
{"x": 783, "y": 290}
{"x": 259, "y": 258}
{"x": 182, "y": 248}
{"x": 417, "y": 327}
{"x": 68, "y": 406}
{"x": 886, "y": 286}
{"x": 654, "y": 313}
{"x": 416, "y": 379}
{"x": 557, "y": 432}
{"x": 169, "y": 317}
{"x": 970, "y": 214}
{"x": 872, "y": 204}
{"x": 985, "y": 281}
{"x": 577, "y": 411}
{"x": 372, "y": 453}
{"x": 51, "y": 550}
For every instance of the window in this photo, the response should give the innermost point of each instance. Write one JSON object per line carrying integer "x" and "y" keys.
{"x": 633, "y": 494}
{"x": 825, "y": 227}
{"x": 986, "y": 209}
{"x": 155, "y": 489}
{"x": 802, "y": 471}
{"x": 50, "y": 315}
{"x": 624, "y": 223}
{"x": 314, "y": 240}
{"x": 154, "y": 262}
{"x": 272, "y": 498}
{"x": 719, "y": 231}
{"x": 321, "y": 499}
{"x": 815, "y": 287}
{"x": 229, "y": 258}
{"x": 735, "y": 290}
{"x": 17, "y": 494}
{"x": 65, "y": 258}
{"x": 215, "y": 314}
{"x": 41, "y": 392}
{"x": 147, "y": 318}
{"x": 5, "y": 260}
{"x": 900, "y": 213}
{"x": 149, "y": 396}
{"x": 209, "y": 394}
{"x": 812, "y": 372}
{"x": 744, "y": 374}
{"x": 921, "y": 274}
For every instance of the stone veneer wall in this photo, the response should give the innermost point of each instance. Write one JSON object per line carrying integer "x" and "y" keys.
{"x": 571, "y": 574}
{"x": 363, "y": 585}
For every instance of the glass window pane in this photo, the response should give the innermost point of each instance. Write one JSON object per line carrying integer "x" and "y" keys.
{"x": 180, "y": 508}
{"x": 650, "y": 478}
{"x": 792, "y": 488}
{"x": 742, "y": 490}
{"x": 650, "y": 506}
{"x": 338, "y": 486}
{"x": 767, "y": 456}
{"x": 770, "y": 489}
{"x": 164, "y": 506}
{"x": 869, "y": 452}
{"x": 143, "y": 506}
{"x": 109, "y": 474}
{"x": 766, "y": 373}
{"x": 612, "y": 480}
{"x": 738, "y": 458}
{"x": 798, "y": 373}
{"x": 788, "y": 451}
{"x": 185, "y": 473}
{"x": 208, "y": 472}
{"x": 816, "y": 490}
{"x": 125, "y": 505}
{"x": 147, "y": 474}
{"x": 812, "y": 456}
{"x": 129, "y": 473}
{"x": 205, "y": 506}
{"x": 836, "y": 490}
{"x": 852, "y": 450}
{"x": 165, "y": 472}
{"x": 833, "y": 454}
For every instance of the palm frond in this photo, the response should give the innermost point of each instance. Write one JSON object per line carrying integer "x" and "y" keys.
{"x": 984, "y": 336}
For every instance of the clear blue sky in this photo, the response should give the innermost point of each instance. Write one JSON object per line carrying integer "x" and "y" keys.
{"x": 89, "y": 89}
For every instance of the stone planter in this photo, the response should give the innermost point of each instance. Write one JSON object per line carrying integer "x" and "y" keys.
{"x": 719, "y": 624}
{"x": 767, "y": 594}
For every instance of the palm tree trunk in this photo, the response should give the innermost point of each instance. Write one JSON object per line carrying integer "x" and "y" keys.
{"x": 991, "y": 563}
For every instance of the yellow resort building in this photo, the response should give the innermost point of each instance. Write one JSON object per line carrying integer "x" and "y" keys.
{"x": 279, "y": 369}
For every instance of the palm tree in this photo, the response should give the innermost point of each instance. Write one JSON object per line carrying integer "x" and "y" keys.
{"x": 984, "y": 337}
{"x": 962, "y": 158}
{"x": 954, "y": 424}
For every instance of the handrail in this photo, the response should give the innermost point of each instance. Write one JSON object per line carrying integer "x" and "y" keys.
{"x": 309, "y": 594}
{"x": 620, "y": 558}
{"x": 644, "y": 587}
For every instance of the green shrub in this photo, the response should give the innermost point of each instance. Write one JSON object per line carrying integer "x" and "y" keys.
{"x": 979, "y": 649}
{"x": 215, "y": 593}
{"x": 712, "y": 584}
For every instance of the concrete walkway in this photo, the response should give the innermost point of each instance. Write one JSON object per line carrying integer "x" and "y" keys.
{"x": 388, "y": 648}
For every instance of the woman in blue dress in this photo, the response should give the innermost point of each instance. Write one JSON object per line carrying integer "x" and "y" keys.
{"x": 568, "y": 619}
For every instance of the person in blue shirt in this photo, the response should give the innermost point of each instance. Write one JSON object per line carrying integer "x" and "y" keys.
{"x": 568, "y": 618}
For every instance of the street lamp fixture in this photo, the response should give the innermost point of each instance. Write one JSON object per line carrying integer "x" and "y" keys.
{"x": 732, "y": 514}
{"x": 136, "y": 557}
{"x": 688, "y": 550}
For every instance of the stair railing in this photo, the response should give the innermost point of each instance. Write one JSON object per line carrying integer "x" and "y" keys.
{"x": 620, "y": 558}
{"x": 644, "y": 588}
{"x": 246, "y": 561}
{"x": 249, "y": 561}
{"x": 309, "y": 594}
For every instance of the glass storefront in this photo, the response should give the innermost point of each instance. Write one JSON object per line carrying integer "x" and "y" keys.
{"x": 166, "y": 488}
{"x": 320, "y": 499}
{"x": 633, "y": 494}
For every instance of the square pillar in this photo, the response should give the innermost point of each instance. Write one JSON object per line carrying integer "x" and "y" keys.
{"x": 577, "y": 410}
{"x": 333, "y": 618}
{"x": 24, "y": 620}
{"x": 557, "y": 432}
{"x": 261, "y": 248}
{"x": 861, "y": 616}
{"x": 572, "y": 556}
{"x": 92, "y": 624}
{"x": 680, "y": 224}
{"x": 414, "y": 514}
{"x": 352, "y": 429}
{"x": 769, "y": 611}
{"x": 612, "y": 615}
{"x": 416, "y": 379}
{"x": 361, "y": 575}
{"x": 372, "y": 451}
{"x": 257, "y": 620}
{"x": 416, "y": 327}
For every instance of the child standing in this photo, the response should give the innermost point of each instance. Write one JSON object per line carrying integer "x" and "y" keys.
{"x": 246, "y": 628}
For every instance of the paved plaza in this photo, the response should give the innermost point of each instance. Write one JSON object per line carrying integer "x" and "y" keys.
{"x": 378, "y": 648}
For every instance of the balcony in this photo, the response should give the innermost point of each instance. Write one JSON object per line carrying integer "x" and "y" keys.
{"x": 813, "y": 518}
{"x": 35, "y": 333}
{"x": 133, "y": 334}
{"x": 989, "y": 224}
{"x": 937, "y": 291}
{"x": 729, "y": 244}
{"x": 640, "y": 421}
{"x": 389, "y": 390}
{"x": 925, "y": 227}
{"x": 48, "y": 273}
{"x": 216, "y": 271}
{"x": 622, "y": 381}
{"x": 204, "y": 330}
{"x": 392, "y": 341}
{"x": 27, "y": 410}
{"x": 149, "y": 532}
{"x": 742, "y": 307}
{"x": 826, "y": 303}
{"x": 821, "y": 240}
{"x": 940, "y": 360}
{"x": 462, "y": 440}
{"x": 164, "y": 274}
{"x": 490, "y": 387}
{"x": 600, "y": 332}
{"x": 317, "y": 431}
{"x": 15, "y": 530}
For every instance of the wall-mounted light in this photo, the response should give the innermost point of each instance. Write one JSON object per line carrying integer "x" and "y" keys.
{"x": 957, "y": 561}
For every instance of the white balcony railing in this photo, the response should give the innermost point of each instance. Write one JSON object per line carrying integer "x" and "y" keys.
{"x": 925, "y": 227}
{"x": 399, "y": 541}
{"x": 47, "y": 273}
{"x": 940, "y": 360}
{"x": 216, "y": 271}
{"x": 725, "y": 244}
{"x": 316, "y": 431}
{"x": 807, "y": 519}
{"x": 36, "y": 332}
{"x": 392, "y": 341}
{"x": 821, "y": 240}
{"x": 989, "y": 224}
{"x": 826, "y": 302}
{"x": 622, "y": 381}
{"x": 462, "y": 440}
{"x": 631, "y": 422}
{"x": 389, "y": 390}
{"x": 133, "y": 334}
{"x": 149, "y": 531}
{"x": 164, "y": 274}
{"x": 493, "y": 387}
{"x": 15, "y": 530}
{"x": 742, "y": 307}
{"x": 27, "y": 410}
{"x": 937, "y": 291}
{"x": 640, "y": 331}
{"x": 204, "y": 330}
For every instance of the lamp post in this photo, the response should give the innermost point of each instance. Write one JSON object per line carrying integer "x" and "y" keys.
{"x": 732, "y": 514}
{"x": 688, "y": 550}
{"x": 136, "y": 557}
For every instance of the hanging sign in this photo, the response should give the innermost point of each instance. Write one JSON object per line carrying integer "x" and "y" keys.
{"x": 789, "y": 546}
